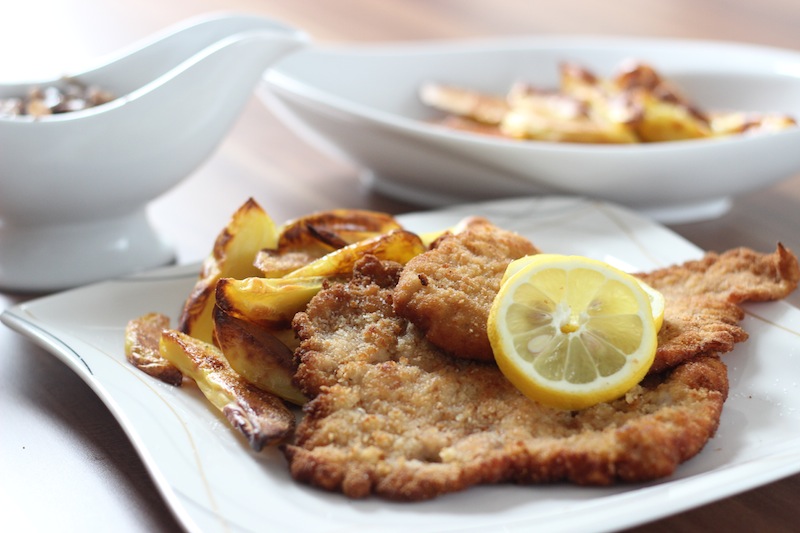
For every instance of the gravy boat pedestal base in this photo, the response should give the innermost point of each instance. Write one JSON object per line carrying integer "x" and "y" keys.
{"x": 46, "y": 258}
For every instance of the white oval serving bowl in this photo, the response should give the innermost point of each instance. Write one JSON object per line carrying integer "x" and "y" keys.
{"x": 361, "y": 102}
{"x": 74, "y": 186}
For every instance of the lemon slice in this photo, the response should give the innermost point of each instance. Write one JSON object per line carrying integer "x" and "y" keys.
{"x": 571, "y": 332}
{"x": 657, "y": 302}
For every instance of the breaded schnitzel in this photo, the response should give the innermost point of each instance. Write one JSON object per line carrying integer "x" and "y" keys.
{"x": 701, "y": 314}
{"x": 391, "y": 415}
{"x": 448, "y": 290}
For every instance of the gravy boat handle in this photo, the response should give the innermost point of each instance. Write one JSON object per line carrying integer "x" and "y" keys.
{"x": 135, "y": 65}
{"x": 157, "y": 55}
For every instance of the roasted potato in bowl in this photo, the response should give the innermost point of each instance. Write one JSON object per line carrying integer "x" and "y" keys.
{"x": 370, "y": 114}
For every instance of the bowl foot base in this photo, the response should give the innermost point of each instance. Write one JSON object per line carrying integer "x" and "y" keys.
{"x": 697, "y": 212}
{"x": 426, "y": 198}
{"x": 39, "y": 258}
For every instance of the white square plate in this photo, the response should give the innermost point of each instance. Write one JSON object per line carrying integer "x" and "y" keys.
{"x": 214, "y": 483}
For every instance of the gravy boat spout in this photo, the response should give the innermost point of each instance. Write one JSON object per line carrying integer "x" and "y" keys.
{"x": 74, "y": 186}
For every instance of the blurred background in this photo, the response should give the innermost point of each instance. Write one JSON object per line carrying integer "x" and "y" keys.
{"x": 42, "y": 37}
{"x": 48, "y": 37}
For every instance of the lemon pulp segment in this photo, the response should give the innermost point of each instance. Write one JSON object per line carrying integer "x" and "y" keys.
{"x": 657, "y": 302}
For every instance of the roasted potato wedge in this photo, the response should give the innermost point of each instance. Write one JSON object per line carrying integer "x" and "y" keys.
{"x": 329, "y": 230}
{"x": 273, "y": 264}
{"x": 609, "y": 111}
{"x": 667, "y": 121}
{"x": 467, "y": 124}
{"x": 397, "y": 245}
{"x": 257, "y": 355}
{"x": 249, "y": 230}
{"x": 303, "y": 240}
{"x": 260, "y": 416}
{"x": 643, "y": 105}
{"x": 142, "y": 337}
{"x": 479, "y": 107}
{"x": 584, "y": 110}
{"x": 267, "y": 302}
{"x": 522, "y": 123}
{"x": 734, "y": 123}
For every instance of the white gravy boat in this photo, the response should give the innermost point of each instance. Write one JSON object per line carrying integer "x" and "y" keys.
{"x": 74, "y": 186}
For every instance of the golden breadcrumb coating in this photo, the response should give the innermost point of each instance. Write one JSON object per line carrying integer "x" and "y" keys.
{"x": 701, "y": 314}
{"x": 447, "y": 291}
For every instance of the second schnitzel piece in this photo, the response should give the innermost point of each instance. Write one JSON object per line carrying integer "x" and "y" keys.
{"x": 701, "y": 296}
{"x": 392, "y": 415}
{"x": 448, "y": 290}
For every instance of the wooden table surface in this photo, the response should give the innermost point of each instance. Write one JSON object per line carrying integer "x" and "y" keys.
{"x": 65, "y": 463}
